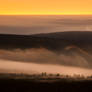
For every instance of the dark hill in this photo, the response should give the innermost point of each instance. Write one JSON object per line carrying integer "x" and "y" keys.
{"x": 52, "y": 41}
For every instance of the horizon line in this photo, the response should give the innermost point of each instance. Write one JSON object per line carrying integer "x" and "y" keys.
{"x": 45, "y": 14}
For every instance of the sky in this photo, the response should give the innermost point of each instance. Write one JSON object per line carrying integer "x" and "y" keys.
{"x": 44, "y": 24}
{"x": 45, "y": 7}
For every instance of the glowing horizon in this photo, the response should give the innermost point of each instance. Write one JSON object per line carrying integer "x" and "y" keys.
{"x": 46, "y": 7}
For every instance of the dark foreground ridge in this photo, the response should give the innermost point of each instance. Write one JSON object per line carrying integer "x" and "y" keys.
{"x": 14, "y": 84}
{"x": 11, "y": 85}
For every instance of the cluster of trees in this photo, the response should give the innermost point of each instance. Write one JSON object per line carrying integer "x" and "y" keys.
{"x": 66, "y": 76}
{"x": 43, "y": 74}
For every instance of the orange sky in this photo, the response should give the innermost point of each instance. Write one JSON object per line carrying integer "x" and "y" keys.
{"x": 19, "y": 7}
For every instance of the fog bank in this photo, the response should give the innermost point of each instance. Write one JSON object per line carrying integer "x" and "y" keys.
{"x": 44, "y": 56}
{"x": 31, "y": 68}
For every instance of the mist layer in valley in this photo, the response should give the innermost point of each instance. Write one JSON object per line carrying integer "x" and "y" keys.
{"x": 44, "y": 56}
{"x": 7, "y": 66}
{"x": 64, "y": 53}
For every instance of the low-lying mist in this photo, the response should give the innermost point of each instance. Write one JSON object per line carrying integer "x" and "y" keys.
{"x": 43, "y": 60}
{"x": 44, "y": 56}
{"x": 7, "y": 66}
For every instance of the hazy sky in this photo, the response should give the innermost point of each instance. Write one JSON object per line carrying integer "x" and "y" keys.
{"x": 44, "y": 24}
{"x": 8, "y": 7}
